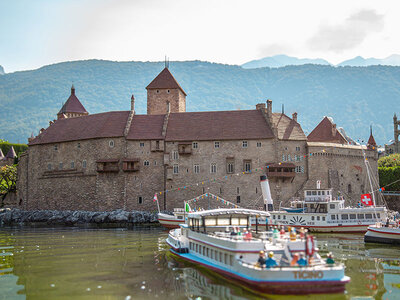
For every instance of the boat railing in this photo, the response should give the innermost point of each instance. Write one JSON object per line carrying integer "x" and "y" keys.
{"x": 286, "y": 267}
{"x": 352, "y": 221}
{"x": 179, "y": 210}
{"x": 228, "y": 236}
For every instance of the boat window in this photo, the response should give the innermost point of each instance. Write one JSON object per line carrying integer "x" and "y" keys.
{"x": 279, "y": 217}
{"x": 211, "y": 222}
{"x": 284, "y": 217}
{"x": 323, "y": 193}
{"x": 318, "y": 218}
{"x": 308, "y": 193}
{"x": 243, "y": 221}
{"x": 352, "y": 216}
{"x": 180, "y": 217}
{"x": 378, "y": 215}
{"x": 323, "y": 218}
{"x": 332, "y": 206}
{"x": 235, "y": 221}
{"x": 345, "y": 217}
{"x": 312, "y": 218}
{"x": 231, "y": 260}
{"x": 273, "y": 216}
{"x": 298, "y": 205}
{"x": 208, "y": 252}
{"x": 333, "y": 217}
{"x": 220, "y": 256}
{"x": 368, "y": 216}
{"x": 212, "y": 254}
{"x": 319, "y": 193}
{"x": 226, "y": 258}
{"x": 223, "y": 221}
{"x": 312, "y": 206}
{"x": 204, "y": 251}
{"x": 197, "y": 248}
{"x": 314, "y": 193}
{"x": 360, "y": 216}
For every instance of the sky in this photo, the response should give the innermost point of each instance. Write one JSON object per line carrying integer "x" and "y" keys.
{"x": 42, "y": 32}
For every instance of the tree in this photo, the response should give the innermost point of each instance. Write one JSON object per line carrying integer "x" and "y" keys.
{"x": 389, "y": 172}
{"x": 392, "y": 160}
{"x": 8, "y": 181}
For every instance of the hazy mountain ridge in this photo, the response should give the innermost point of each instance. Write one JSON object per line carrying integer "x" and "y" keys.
{"x": 355, "y": 97}
{"x": 278, "y": 61}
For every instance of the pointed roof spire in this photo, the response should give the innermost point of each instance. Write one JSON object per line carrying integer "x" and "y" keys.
{"x": 1, "y": 155}
{"x": 283, "y": 108}
{"x": 371, "y": 144}
{"x": 73, "y": 105}
{"x": 165, "y": 80}
{"x": 11, "y": 153}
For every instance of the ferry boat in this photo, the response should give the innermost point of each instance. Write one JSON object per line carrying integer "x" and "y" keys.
{"x": 174, "y": 220}
{"x": 378, "y": 233}
{"x": 321, "y": 212}
{"x": 207, "y": 239}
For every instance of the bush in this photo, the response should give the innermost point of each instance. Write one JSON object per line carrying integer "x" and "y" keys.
{"x": 392, "y": 160}
{"x": 19, "y": 148}
{"x": 388, "y": 175}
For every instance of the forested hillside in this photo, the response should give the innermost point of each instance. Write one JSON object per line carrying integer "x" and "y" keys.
{"x": 354, "y": 96}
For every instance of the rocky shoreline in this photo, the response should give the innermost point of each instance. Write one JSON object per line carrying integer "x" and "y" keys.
{"x": 72, "y": 218}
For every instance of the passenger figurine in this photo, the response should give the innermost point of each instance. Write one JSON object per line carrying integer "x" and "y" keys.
{"x": 275, "y": 234}
{"x": 302, "y": 262}
{"x": 294, "y": 260}
{"x": 282, "y": 232}
{"x": 330, "y": 260}
{"x": 387, "y": 222}
{"x": 358, "y": 204}
{"x": 293, "y": 234}
{"x": 261, "y": 260}
{"x": 270, "y": 262}
{"x": 248, "y": 236}
{"x": 302, "y": 233}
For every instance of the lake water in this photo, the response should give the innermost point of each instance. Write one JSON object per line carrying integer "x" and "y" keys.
{"x": 78, "y": 263}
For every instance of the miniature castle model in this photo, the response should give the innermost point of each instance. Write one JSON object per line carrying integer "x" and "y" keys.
{"x": 120, "y": 159}
{"x": 9, "y": 158}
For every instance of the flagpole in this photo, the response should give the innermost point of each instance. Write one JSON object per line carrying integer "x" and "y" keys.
{"x": 158, "y": 205}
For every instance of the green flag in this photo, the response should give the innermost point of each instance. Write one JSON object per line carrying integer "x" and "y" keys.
{"x": 187, "y": 207}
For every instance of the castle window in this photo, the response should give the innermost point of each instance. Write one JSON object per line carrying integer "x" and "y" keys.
{"x": 216, "y": 144}
{"x": 49, "y": 167}
{"x": 213, "y": 168}
{"x": 297, "y": 148}
{"x": 289, "y": 158}
{"x": 244, "y": 144}
{"x": 237, "y": 199}
{"x": 72, "y": 164}
{"x": 298, "y": 169}
{"x": 155, "y": 163}
{"x": 140, "y": 199}
{"x": 196, "y": 169}
{"x": 55, "y": 147}
{"x": 146, "y": 163}
{"x": 157, "y": 145}
{"x": 175, "y": 155}
{"x": 141, "y": 144}
{"x": 220, "y": 191}
{"x": 283, "y": 157}
{"x": 230, "y": 167}
{"x": 84, "y": 164}
{"x": 79, "y": 145}
{"x": 247, "y": 166}
{"x": 238, "y": 190}
{"x": 168, "y": 91}
{"x": 158, "y": 91}
{"x": 176, "y": 169}
{"x": 195, "y": 145}
{"x": 258, "y": 144}
{"x": 111, "y": 144}
{"x": 60, "y": 166}
{"x": 349, "y": 188}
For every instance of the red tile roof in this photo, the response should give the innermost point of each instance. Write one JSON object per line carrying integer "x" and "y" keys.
{"x": 165, "y": 80}
{"x": 109, "y": 124}
{"x": 371, "y": 141}
{"x": 73, "y": 105}
{"x": 217, "y": 125}
{"x": 146, "y": 127}
{"x": 326, "y": 131}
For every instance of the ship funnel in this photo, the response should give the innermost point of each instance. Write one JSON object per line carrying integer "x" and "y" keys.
{"x": 269, "y": 203}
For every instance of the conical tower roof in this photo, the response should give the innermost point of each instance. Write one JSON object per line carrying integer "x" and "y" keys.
{"x": 371, "y": 140}
{"x": 165, "y": 80}
{"x": 73, "y": 105}
{"x": 1, "y": 155}
{"x": 11, "y": 153}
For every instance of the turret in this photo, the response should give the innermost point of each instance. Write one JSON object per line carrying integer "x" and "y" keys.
{"x": 72, "y": 108}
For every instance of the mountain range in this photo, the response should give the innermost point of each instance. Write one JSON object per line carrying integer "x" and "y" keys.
{"x": 355, "y": 97}
{"x": 278, "y": 61}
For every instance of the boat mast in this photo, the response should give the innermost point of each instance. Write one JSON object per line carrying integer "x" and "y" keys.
{"x": 369, "y": 177}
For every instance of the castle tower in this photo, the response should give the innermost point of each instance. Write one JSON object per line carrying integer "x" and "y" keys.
{"x": 165, "y": 95}
{"x": 371, "y": 145}
{"x": 396, "y": 124}
{"x": 72, "y": 108}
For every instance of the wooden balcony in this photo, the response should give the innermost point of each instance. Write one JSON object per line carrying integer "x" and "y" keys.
{"x": 185, "y": 148}
{"x": 108, "y": 165}
{"x": 281, "y": 170}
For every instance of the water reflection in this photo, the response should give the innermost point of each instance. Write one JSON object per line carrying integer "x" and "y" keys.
{"x": 132, "y": 264}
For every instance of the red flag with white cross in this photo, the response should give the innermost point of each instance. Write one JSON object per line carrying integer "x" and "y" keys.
{"x": 366, "y": 199}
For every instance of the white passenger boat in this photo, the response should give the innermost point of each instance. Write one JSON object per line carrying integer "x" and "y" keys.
{"x": 207, "y": 239}
{"x": 378, "y": 233}
{"x": 174, "y": 220}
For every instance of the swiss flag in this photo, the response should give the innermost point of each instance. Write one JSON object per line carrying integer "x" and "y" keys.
{"x": 366, "y": 199}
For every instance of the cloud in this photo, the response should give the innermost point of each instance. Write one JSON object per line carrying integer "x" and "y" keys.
{"x": 348, "y": 35}
{"x": 273, "y": 49}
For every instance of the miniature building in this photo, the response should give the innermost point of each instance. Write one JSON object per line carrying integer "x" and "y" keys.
{"x": 121, "y": 159}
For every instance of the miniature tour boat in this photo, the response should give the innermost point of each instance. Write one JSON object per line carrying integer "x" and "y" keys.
{"x": 320, "y": 212}
{"x": 172, "y": 221}
{"x": 378, "y": 233}
{"x": 208, "y": 239}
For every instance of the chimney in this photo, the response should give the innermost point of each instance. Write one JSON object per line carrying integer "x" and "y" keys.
{"x": 72, "y": 90}
{"x": 260, "y": 106}
{"x": 269, "y": 108}
{"x": 333, "y": 129}
{"x": 294, "y": 116}
{"x": 133, "y": 103}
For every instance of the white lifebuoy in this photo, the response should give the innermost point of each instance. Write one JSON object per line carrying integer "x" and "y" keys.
{"x": 310, "y": 246}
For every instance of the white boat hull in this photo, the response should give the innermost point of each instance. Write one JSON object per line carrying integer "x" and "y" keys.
{"x": 169, "y": 221}
{"x": 387, "y": 235}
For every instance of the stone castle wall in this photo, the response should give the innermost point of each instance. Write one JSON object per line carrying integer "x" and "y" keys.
{"x": 157, "y": 100}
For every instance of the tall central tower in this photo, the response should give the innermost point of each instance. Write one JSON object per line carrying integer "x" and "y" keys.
{"x": 165, "y": 95}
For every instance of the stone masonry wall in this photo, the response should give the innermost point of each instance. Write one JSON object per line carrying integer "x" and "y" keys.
{"x": 157, "y": 101}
